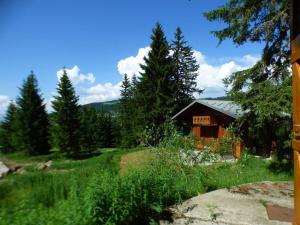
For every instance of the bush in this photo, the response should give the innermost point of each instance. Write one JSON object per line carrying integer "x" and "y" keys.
{"x": 138, "y": 197}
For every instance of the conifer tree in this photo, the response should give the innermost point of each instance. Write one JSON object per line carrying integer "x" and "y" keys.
{"x": 156, "y": 86}
{"x": 33, "y": 123}
{"x": 185, "y": 71}
{"x": 8, "y": 130}
{"x": 109, "y": 134}
{"x": 126, "y": 114}
{"x": 105, "y": 133}
{"x": 88, "y": 131}
{"x": 65, "y": 130}
{"x": 263, "y": 91}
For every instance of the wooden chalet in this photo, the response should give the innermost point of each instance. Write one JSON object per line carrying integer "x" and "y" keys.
{"x": 209, "y": 119}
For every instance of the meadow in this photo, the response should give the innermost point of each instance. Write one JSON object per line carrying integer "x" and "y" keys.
{"x": 118, "y": 186}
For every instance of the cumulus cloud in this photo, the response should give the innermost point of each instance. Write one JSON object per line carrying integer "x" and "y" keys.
{"x": 131, "y": 64}
{"x": 76, "y": 77}
{"x": 101, "y": 92}
{"x": 4, "y": 102}
{"x": 88, "y": 89}
{"x": 210, "y": 75}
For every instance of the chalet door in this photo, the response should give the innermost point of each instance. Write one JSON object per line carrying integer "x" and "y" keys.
{"x": 295, "y": 59}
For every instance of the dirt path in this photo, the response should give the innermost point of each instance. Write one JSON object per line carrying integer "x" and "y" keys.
{"x": 134, "y": 160}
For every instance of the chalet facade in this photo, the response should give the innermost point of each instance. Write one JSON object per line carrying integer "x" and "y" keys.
{"x": 209, "y": 119}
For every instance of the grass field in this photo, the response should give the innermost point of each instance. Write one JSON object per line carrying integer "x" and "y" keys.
{"x": 118, "y": 186}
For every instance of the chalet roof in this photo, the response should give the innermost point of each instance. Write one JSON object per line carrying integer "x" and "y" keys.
{"x": 227, "y": 107}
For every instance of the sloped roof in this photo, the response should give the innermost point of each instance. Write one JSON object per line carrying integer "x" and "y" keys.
{"x": 227, "y": 107}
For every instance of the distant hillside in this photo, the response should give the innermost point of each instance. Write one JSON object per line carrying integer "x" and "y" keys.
{"x": 114, "y": 105}
{"x": 109, "y": 106}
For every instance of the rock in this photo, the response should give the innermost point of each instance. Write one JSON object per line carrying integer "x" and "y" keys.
{"x": 4, "y": 170}
{"x": 44, "y": 165}
{"x": 21, "y": 170}
{"x": 14, "y": 168}
{"x": 246, "y": 204}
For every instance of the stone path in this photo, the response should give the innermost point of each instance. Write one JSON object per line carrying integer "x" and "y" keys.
{"x": 247, "y": 204}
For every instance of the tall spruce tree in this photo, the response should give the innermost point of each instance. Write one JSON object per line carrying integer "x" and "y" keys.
{"x": 185, "y": 71}
{"x": 156, "y": 86}
{"x": 126, "y": 114}
{"x": 33, "y": 123}
{"x": 65, "y": 129}
{"x": 8, "y": 130}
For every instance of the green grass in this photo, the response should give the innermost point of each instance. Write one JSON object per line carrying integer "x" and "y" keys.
{"x": 252, "y": 170}
{"x": 91, "y": 191}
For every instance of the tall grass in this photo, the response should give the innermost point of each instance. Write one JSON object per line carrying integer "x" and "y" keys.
{"x": 92, "y": 192}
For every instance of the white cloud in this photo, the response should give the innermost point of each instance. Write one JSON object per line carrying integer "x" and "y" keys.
{"x": 101, "y": 92}
{"x": 200, "y": 58}
{"x": 76, "y": 77}
{"x": 210, "y": 75}
{"x": 131, "y": 65}
{"x": 4, "y": 102}
{"x": 248, "y": 60}
{"x": 89, "y": 92}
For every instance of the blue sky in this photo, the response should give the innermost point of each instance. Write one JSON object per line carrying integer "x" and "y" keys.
{"x": 99, "y": 40}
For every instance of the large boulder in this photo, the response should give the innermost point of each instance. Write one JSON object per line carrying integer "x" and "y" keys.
{"x": 4, "y": 170}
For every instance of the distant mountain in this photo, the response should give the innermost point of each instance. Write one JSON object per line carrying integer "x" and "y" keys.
{"x": 109, "y": 106}
{"x": 114, "y": 105}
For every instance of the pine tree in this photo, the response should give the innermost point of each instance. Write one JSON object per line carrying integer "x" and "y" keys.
{"x": 155, "y": 89}
{"x": 8, "y": 130}
{"x": 33, "y": 123}
{"x": 65, "y": 130}
{"x": 105, "y": 132}
{"x": 185, "y": 71}
{"x": 88, "y": 131}
{"x": 109, "y": 133}
{"x": 126, "y": 114}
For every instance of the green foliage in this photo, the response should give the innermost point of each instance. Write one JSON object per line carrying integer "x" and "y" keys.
{"x": 8, "y": 130}
{"x": 127, "y": 110}
{"x": 54, "y": 197}
{"x": 32, "y": 119}
{"x": 89, "y": 130}
{"x": 257, "y": 21}
{"x": 135, "y": 198}
{"x": 106, "y": 134}
{"x": 112, "y": 107}
{"x": 263, "y": 91}
{"x": 65, "y": 130}
{"x": 155, "y": 88}
{"x": 92, "y": 192}
{"x": 186, "y": 71}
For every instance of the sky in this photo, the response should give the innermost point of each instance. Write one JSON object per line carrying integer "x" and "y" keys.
{"x": 99, "y": 41}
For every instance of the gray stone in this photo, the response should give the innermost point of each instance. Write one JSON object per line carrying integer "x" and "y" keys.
{"x": 44, "y": 165}
{"x": 240, "y": 205}
{"x": 4, "y": 170}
